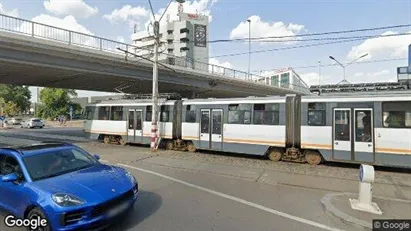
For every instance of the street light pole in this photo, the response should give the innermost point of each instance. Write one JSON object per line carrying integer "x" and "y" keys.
{"x": 154, "y": 111}
{"x": 344, "y": 66}
{"x": 249, "y": 46}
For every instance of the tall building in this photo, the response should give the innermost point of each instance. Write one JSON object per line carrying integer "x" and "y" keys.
{"x": 186, "y": 37}
{"x": 286, "y": 78}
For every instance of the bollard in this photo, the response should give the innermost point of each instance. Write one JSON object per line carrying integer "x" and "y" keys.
{"x": 364, "y": 202}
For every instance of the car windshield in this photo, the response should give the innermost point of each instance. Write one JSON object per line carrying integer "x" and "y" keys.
{"x": 56, "y": 163}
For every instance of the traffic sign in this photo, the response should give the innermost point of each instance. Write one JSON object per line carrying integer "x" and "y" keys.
{"x": 2, "y": 118}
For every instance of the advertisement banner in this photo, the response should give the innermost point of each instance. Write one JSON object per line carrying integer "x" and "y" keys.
{"x": 200, "y": 35}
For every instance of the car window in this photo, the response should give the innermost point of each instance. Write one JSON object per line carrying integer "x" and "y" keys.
{"x": 2, "y": 159}
{"x": 59, "y": 162}
{"x": 11, "y": 165}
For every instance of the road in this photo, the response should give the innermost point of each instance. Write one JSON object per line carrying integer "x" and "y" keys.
{"x": 207, "y": 191}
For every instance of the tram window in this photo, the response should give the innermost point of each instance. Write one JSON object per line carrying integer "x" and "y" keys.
{"x": 165, "y": 113}
{"x": 267, "y": 114}
{"x": 148, "y": 113}
{"x": 397, "y": 114}
{"x": 190, "y": 114}
{"x": 205, "y": 122}
{"x": 239, "y": 113}
{"x": 90, "y": 112}
{"x": 363, "y": 126}
{"x": 103, "y": 113}
{"x": 342, "y": 125}
{"x": 316, "y": 114}
{"x": 116, "y": 113}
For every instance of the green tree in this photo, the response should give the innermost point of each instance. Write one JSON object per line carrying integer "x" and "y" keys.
{"x": 20, "y": 95}
{"x": 11, "y": 109}
{"x": 54, "y": 102}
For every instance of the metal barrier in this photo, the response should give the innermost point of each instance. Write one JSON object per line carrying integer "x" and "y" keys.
{"x": 42, "y": 31}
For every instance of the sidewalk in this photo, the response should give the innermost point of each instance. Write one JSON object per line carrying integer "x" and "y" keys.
{"x": 338, "y": 205}
{"x": 72, "y": 124}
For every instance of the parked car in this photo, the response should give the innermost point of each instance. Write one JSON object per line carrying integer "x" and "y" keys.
{"x": 33, "y": 123}
{"x": 14, "y": 121}
{"x": 64, "y": 185}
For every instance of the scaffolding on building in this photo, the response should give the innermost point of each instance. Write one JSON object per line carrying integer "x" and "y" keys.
{"x": 362, "y": 87}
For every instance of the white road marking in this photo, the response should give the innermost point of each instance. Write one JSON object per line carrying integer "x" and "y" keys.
{"x": 104, "y": 161}
{"x": 239, "y": 200}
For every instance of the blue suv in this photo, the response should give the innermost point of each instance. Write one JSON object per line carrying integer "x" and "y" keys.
{"x": 63, "y": 185}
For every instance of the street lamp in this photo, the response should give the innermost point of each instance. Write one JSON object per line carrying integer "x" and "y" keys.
{"x": 344, "y": 66}
{"x": 249, "y": 46}
{"x": 154, "y": 115}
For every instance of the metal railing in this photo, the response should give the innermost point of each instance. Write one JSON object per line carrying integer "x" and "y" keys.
{"x": 47, "y": 32}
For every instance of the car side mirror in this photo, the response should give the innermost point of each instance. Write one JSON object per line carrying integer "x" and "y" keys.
{"x": 96, "y": 156}
{"x": 9, "y": 178}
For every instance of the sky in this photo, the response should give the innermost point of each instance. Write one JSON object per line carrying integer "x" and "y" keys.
{"x": 116, "y": 19}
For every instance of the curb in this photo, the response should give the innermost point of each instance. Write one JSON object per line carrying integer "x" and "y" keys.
{"x": 326, "y": 201}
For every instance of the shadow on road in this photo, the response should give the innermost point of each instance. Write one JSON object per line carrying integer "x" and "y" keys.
{"x": 147, "y": 204}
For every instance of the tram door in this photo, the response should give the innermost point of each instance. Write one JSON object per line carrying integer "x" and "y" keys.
{"x": 135, "y": 126}
{"x": 211, "y": 127}
{"x": 353, "y": 134}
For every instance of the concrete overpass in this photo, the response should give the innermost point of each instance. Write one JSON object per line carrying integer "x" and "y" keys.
{"x": 40, "y": 55}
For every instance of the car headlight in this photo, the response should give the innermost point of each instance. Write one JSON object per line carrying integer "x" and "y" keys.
{"x": 131, "y": 177}
{"x": 65, "y": 200}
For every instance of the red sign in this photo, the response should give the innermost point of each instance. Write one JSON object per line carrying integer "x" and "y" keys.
{"x": 193, "y": 16}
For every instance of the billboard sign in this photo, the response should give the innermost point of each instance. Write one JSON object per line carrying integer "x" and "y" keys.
{"x": 200, "y": 35}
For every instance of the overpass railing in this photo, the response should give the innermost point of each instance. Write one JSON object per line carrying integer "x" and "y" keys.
{"x": 87, "y": 40}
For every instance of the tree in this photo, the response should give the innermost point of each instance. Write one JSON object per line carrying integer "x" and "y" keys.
{"x": 11, "y": 109}
{"x": 54, "y": 102}
{"x": 20, "y": 95}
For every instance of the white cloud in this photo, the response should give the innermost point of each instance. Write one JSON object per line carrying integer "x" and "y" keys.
{"x": 14, "y": 12}
{"x": 372, "y": 77}
{"x": 393, "y": 47}
{"x": 68, "y": 23}
{"x": 120, "y": 39}
{"x": 77, "y": 8}
{"x": 260, "y": 28}
{"x": 131, "y": 15}
{"x": 219, "y": 66}
{"x": 200, "y": 6}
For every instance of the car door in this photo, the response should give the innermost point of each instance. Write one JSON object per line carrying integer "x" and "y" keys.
{"x": 14, "y": 191}
{"x": 2, "y": 199}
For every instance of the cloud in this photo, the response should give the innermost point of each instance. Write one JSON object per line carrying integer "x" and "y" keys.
{"x": 200, "y": 6}
{"x": 131, "y": 15}
{"x": 77, "y": 8}
{"x": 14, "y": 12}
{"x": 372, "y": 77}
{"x": 120, "y": 39}
{"x": 219, "y": 66}
{"x": 68, "y": 23}
{"x": 393, "y": 47}
{"x": 260, "y": 28}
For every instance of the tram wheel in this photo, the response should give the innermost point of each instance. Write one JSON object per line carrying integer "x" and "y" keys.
{"x": 275, "y": 154}
{"x": 169, "y": 145}
{"x": 106, "y": 139}
{"x": 313, "y": 157}
{"x": 122, "y": 141}
{"x": 191, "y": 147}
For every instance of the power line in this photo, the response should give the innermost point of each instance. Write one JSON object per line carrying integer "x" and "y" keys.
{"x": 334, "y": 64}
{"x": 304, "y": 46}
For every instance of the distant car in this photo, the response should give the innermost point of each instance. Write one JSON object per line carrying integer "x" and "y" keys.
{"x": 65, "y": 185}
{"x": 33, "y": 123}
{"x": 15, "y": 121}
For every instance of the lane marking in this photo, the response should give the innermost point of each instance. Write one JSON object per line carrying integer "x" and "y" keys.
{"x": 236, "y": 199}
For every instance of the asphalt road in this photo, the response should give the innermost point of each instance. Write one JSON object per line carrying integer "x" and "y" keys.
{"x": 179, "y": 191}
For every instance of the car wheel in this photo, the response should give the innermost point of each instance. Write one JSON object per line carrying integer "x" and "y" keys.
{"x": 35, "y": 214}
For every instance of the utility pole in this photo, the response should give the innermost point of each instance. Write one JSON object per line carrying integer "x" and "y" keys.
{"x": 154, "y": 115}
{"x": 249, "y": 46}
{"x": 344, "y": 66}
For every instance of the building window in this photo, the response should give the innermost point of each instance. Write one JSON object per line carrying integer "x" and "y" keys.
{"x": 170, "y": 51}
{"x": 267, "y": 114}
{"x": 169, "y": 32}
{"x": 103, "y": 113}
{"x": 184, "y": 49}
{"x": 170, "y": 41}
{"x": 396, "y": 114}
{"x": 316, "y": 114}
{"x": 285, "y": 79}
{"x": 191, "y": 114}
{"x": 184, "y": 40}
{"x": 116, "y": 113}
{"x": 148, "y": 113}
{"x": 239, "y": 113}
{"x": 185, "y": 30}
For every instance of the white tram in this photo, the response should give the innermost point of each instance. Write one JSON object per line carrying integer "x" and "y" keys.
{"x": 371, "y": 129}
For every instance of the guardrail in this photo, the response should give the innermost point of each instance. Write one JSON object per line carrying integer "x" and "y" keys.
{"x": 47, "y": 32}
